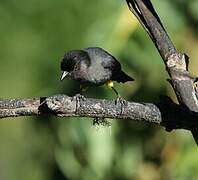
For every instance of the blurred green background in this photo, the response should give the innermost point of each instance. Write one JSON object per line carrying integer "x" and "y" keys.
{"x": 34, "y": 35}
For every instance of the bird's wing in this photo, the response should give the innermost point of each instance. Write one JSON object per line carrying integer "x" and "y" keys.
{"x": 112, "y": 64}
{"x": 106, "y": 59}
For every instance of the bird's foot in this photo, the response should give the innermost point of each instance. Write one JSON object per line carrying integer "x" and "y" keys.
{"x": 78, "y": 98}
{"x": 122, "y": 102}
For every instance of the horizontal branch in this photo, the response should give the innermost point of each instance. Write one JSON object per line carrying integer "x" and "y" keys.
{"x": 166, "y": 113}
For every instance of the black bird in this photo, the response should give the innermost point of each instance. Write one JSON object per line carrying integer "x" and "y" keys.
{"x": 93, "y": 66}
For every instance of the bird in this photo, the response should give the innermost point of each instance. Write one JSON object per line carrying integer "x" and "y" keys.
{"x": 93, "y": 66}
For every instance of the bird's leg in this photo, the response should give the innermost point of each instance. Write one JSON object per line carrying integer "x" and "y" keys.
{"x": 115, "y": 91}
{"x": 80, "y": 96}
{"x": 119, "y": 100}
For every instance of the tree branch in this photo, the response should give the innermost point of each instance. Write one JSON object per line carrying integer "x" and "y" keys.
{"x": 176, "y": 63}
{"x": 166, "y": 113}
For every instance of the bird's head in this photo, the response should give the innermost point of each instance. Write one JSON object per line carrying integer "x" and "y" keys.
{"x": 70, "y": 60}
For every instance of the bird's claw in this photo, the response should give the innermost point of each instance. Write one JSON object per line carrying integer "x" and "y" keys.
{"x": 79, "y": 97}
{"x": 122, "y": 102}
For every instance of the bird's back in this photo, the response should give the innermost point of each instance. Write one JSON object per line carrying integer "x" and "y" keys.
{"x": 103, "y": 65}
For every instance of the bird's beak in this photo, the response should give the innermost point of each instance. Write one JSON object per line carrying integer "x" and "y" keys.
{"x": 64, "y": 74}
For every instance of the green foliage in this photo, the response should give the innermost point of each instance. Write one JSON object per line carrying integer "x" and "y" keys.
{"x": 34, "y": 36}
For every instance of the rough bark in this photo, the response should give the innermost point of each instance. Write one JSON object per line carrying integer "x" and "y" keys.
{"x": 176, "y": 63}
{"x": 166, "y": 113}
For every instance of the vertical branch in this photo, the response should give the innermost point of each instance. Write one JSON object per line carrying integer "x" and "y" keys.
{"x": 176, "y": 63}
{"x": 149, "y": 19}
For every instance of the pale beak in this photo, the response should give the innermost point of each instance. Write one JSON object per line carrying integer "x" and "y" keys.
{"x": 64, "y": 74}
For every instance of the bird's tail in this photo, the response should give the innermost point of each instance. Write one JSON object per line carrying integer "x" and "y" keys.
{"x": 195, "y": 135}
{"x": 122, "y": 77}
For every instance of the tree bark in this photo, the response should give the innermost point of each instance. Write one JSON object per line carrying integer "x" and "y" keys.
{"x": 175, "y": 62}
{"x": 166, "y": 113}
